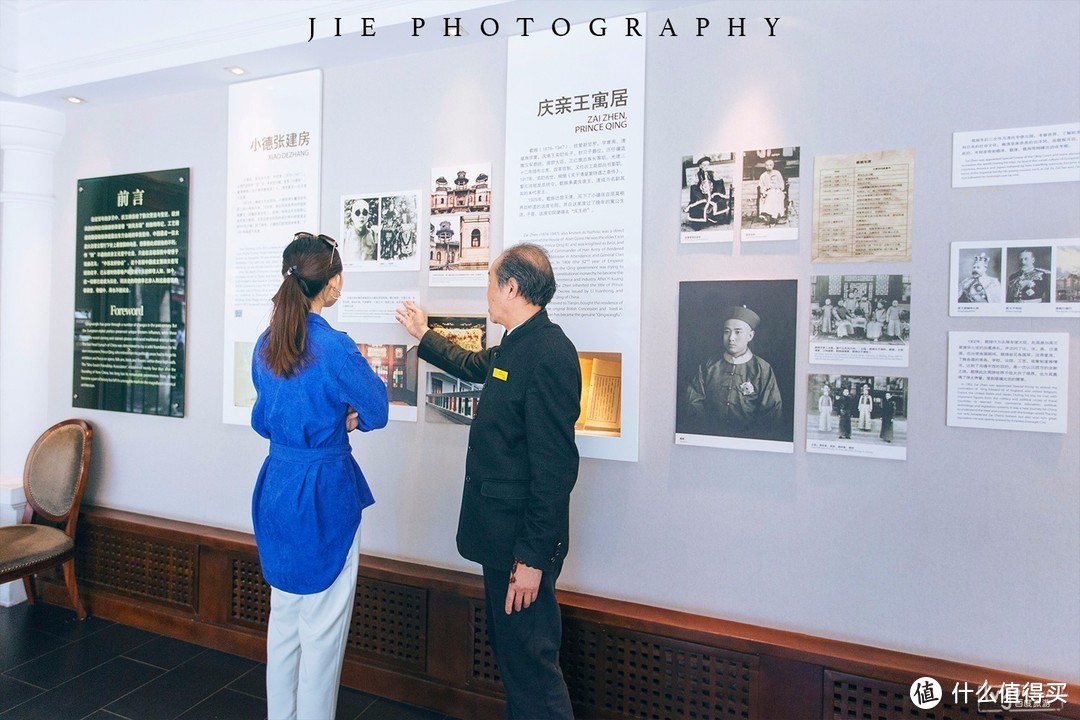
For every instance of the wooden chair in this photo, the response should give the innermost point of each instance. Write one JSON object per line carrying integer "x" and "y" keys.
{"x": 54, "y": 480}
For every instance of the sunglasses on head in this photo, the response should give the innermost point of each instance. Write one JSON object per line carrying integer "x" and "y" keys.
{"x": 325, "y": 238}
{"x": 308, "y": 236}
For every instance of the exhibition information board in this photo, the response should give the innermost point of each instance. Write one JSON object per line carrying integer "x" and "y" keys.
{"x": 131, "y": 293}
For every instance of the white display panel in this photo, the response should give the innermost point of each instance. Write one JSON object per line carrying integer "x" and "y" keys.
{"x": 575, "y": 120}
{"x": 274, "y": 152}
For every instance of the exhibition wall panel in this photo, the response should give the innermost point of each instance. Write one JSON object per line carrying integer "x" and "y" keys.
{"x": 967, "y": 550}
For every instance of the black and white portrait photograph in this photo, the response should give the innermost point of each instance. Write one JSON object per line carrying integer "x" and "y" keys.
{"x": 1016, "y": 278}
{"x": 770, "y": 194}
{"x": 379, "y": 231}
{"x": 1029, "y": 279}
{"x": 736, "y": 364}
{"x": 978, "y": 278}
{"x": 858, "y": 415}
{"x": 708, "y": 198}
{"x": 860, "y": 319}
{"x": 359, "y": 231}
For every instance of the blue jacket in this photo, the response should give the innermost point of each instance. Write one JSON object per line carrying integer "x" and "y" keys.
{"x": 310, "y": 492}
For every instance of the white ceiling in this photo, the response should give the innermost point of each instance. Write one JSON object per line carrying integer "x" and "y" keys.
{"x": 109, "y": 51}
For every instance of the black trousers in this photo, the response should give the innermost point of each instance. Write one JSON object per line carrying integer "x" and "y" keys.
{"x": 526, "y": 645}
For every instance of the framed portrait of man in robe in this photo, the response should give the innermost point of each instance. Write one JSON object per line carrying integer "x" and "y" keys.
{"x": 736, "y": 364}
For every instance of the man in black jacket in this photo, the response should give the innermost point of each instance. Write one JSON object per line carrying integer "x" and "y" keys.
{"x": 845, "y": 408}
{"x": 521, "y": 465}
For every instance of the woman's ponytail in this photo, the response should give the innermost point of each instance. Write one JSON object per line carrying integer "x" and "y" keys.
{"x": 306, "y": 269}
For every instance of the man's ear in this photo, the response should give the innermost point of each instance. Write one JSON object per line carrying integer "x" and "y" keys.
{"x": 512, "y": 286}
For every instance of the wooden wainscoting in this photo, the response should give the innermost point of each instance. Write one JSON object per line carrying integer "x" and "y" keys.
{"x": 419, "y": 635}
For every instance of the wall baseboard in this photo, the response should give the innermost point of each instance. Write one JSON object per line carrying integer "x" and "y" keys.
{"x": 418, "y": 635}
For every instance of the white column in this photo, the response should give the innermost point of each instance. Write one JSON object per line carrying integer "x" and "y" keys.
{"x": 29, "y": 138}
{"x": 12, "y": 502}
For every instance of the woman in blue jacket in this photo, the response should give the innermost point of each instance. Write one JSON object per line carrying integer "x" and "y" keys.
{"x": 313, "y": 387}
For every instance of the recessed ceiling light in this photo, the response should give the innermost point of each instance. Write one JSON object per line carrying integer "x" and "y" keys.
{"x": 235, "y": 70}
{"x": 74, "y": 100}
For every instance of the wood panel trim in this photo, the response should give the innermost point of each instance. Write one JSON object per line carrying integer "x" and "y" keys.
{"x": 425, "y": 654}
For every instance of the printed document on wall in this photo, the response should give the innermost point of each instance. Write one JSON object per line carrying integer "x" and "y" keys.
{"x": 1017, "y": 156}
{"x": 274, "y": 154}
{"x": 575, "y": 113}
{"x": 1009, "y": 381}
{"x": 863, "y": 207}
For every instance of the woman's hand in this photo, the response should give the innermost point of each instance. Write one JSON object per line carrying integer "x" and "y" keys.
{"x": 413, "y": 318}
{"x": 352, "y": 419}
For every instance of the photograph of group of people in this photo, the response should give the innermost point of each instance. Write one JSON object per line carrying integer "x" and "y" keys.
{"x": 857, "y": 415}
{"x": 379, "y": 232}
{"x": 860, "y": 319}
{"x": 1039, "y": 277}
{"x": 861, "y": 308}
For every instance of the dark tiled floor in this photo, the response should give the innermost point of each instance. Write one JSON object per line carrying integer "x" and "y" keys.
{"x": 54, "y": 667}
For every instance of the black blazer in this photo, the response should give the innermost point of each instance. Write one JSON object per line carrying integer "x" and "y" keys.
{"x": 522, "y": 461}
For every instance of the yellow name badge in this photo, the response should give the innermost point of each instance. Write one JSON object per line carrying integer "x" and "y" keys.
{"x": 500, "y": 374}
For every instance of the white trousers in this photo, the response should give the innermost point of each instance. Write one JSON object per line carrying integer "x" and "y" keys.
{"x": 305, "y": 646}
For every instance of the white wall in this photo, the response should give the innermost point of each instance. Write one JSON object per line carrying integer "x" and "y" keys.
{"x": 970, "y": 550}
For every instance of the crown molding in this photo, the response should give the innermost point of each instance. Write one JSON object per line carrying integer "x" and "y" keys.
{"x": 52, "y": 45}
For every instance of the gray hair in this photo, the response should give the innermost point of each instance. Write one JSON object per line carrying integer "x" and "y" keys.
{"x": 530, "y": 266}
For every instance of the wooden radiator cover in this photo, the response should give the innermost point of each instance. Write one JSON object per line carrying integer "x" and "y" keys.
{"x": 419, "y": 634}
